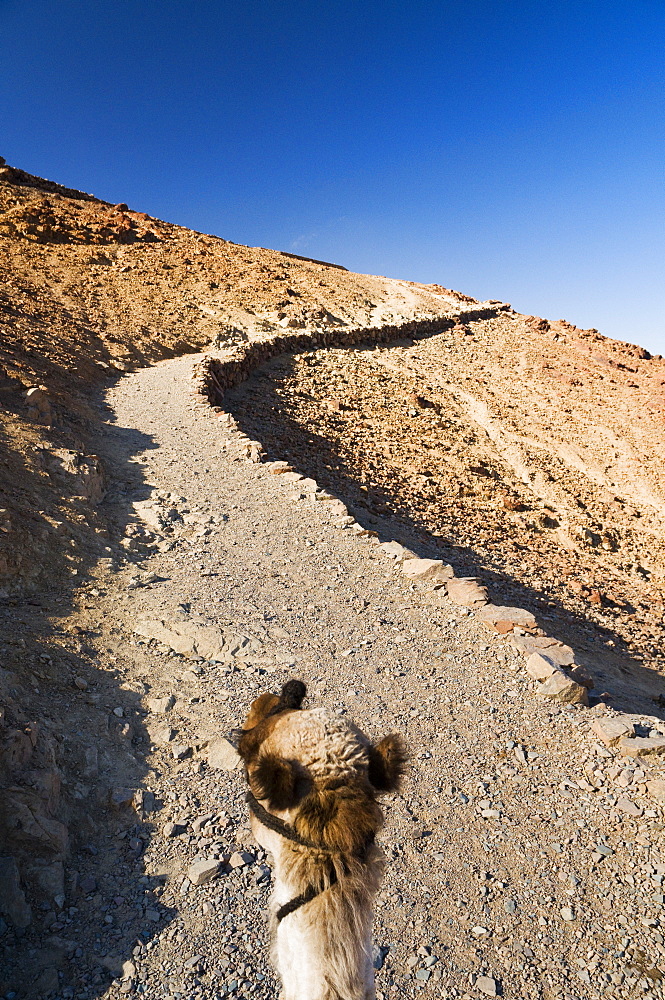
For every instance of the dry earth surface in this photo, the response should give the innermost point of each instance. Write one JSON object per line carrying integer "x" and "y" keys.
{"x": 160, "y": 570}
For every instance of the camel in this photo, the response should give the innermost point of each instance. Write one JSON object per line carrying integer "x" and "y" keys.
{"x": 313, "y": 780}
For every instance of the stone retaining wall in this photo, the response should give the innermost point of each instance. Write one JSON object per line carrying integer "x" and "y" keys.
{"x": 216, "y": 375}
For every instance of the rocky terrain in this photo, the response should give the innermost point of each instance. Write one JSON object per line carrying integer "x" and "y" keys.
{"x": 446, "y": 517}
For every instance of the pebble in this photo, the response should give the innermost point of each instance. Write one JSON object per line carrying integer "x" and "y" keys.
{"x": 241, "y": 858}
{"x": 628, "y": 807}
{"x": 128, "y": 970}
{"x": 172, "y": 829}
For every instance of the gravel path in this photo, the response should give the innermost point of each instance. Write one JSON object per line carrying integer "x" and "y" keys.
{"x": 515, "y": 866}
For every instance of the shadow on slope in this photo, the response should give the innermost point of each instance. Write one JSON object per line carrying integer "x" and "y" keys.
{"x": 74, "y": 900}
{"x": 621, "y": 679}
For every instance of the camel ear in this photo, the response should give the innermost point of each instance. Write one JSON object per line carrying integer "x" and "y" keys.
{"x": 292, "y": 695}
{"x": 342, "y": 819}
{"x": 260, "y": 708}
{"x": 274, "y": 779}
{"x": 387, "y": 763}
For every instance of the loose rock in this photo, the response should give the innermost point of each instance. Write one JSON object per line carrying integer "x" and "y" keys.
{"x": 222, "y": 756}
{"x": 203, "y": 871}
{"x": 610, "y": 730}
{"x": 558, "y": 687}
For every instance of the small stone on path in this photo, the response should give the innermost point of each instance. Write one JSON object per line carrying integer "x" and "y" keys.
{"x": 628, "y": 807}
{"x": 158, "y": 706}
{"x": 467, "y": 592}
{"x": 656, "y": 789}
{"x": 203, "y": 871}
{"x": 488, "y": 986}
{"x": 222, "y": 756}
{"x": 430, "y": 570}
{"x": 240, "y": 858}
{"x": 496, "y": 613}
{"x": 539, "y": 666}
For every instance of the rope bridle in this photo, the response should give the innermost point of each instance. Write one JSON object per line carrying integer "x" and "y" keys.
{"x": 278, "y": 825}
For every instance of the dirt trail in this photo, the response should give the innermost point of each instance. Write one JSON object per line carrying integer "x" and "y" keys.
{"x": 520, "y": 850}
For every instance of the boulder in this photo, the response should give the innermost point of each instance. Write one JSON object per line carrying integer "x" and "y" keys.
{"x": 144, "y": 802}
{"x": 16, "y": 750}
{"x": 121, "y": 798}
{"x": 47, "y": 881}
{"x": 26, "y": 823}
{"x": 152, "y": 514}
{"x": 641, "y": 746}
{"x": 395, "y": 550}
{"x": 82, "y": 474}
{"x": 190, "y": 637}
{"x": 160, "y": 733}
{"x": 493, "y": 613}
{"x": 47, "y": 982}
{"x": 552, "y": 648}
{"x": 582, "y": 676}
{"x": 337, "y": 508}
{"x": 39, "y": 405}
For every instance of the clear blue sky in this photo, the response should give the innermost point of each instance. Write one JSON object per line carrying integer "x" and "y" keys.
{"x": 512, "y": 150}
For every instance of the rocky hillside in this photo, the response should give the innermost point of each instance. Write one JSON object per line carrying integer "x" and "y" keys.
{"x": 89, "y": 290}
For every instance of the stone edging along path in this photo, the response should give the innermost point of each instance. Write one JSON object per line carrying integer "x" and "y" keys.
{"x": 549, "y": 662}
